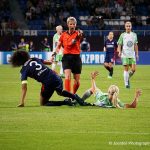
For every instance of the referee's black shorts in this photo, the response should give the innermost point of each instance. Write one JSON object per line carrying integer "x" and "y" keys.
{"x": 73, "y": 62}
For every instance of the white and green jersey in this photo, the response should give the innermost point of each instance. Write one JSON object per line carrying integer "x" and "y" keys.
{"x": 55, "y": 42}
{"x": 102, "y": 100}
{"x": 127, "y": 41}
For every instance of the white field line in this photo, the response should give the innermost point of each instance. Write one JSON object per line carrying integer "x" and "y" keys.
{"x": 79, "y": 132}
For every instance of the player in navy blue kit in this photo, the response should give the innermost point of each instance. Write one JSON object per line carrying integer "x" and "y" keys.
{"x": 110, "y": 47}
{"x": 35, "y": 68}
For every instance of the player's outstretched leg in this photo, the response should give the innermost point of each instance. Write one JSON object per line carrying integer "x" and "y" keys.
{"x": 126, "y": 76}
{"x": 58, "y": 103}
{"x": 86, "y": 94}
{"x": 72, "y": 96}
{"x": 108, "y": 68}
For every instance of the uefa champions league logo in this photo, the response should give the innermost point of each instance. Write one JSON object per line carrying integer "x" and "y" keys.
{"x": 129, "y": 43}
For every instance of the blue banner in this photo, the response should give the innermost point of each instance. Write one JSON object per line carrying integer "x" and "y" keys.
{"x": 93, "y": 58}
{"x": 5, "y": 56}
{"x": 90, "y": 58}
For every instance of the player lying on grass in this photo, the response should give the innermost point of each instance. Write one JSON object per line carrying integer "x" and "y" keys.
{"x": 110, "y": 99}
{"x": 35, "y": 68}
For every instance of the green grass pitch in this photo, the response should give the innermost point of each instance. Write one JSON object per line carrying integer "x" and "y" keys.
{"x": 74, "y": 128}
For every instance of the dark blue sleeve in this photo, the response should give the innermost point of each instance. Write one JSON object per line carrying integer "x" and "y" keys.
{"x": 37, "y": 59}
{"x": 23, "y": 74}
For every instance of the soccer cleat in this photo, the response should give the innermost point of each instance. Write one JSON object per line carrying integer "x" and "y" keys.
{"x": 109, "y": 77}
{"x": 128, "y": 86}
{"x": 129, "y": 83}
{"x": 70, "y": 102}
{"x": 87, "y": 104}
{"x": 79, "y": 100}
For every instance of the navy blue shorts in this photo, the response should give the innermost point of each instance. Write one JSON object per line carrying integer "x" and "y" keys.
{"x": 48, "y": 89}
{"x": 109, "y": 58}
{"x": 72, "y": 62}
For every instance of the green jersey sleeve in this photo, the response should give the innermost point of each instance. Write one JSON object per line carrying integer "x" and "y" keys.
{"x": 120, "y": 40}
{"x": 136, "y": 41}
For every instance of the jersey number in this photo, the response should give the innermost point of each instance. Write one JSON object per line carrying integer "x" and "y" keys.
{"x": 38, "y": 66}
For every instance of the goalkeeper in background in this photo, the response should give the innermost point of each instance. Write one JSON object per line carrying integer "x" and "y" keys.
{"x": 110, "y": 99}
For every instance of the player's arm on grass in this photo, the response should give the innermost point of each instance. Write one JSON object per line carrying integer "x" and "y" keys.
{"x": 23, "y": 94}
{"x": 133, "y": 104}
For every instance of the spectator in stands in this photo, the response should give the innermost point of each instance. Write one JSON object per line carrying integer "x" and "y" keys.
{"x": 148, "y": 20}
{"x": 101, "y": 24}
{"x": 4, "y": 25}
{"x": 22, "y": 45}
{"x": 85, "y": 46}
{"x": 29, "y": 15}
{"x": 13, "y": 46}
{"x": 31, "y": 46}
{"x": 51, "y": 21}
{"x": 46, "y": 45}
{"x": 133, "y": 20}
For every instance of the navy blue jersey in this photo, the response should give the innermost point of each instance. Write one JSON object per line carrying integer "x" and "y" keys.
{"x": 110, "y": 46}
{"x": 35, "y": 69}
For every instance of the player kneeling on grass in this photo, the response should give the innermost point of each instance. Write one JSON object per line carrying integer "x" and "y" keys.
{"x": 110, "y": 99}
{"x": 35, "y": 68}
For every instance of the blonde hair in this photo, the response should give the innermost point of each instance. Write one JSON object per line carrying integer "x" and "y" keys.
{"x": 71, "y": 19}
{"x": 114, "y": 91}
{"x": 58, "y": 27}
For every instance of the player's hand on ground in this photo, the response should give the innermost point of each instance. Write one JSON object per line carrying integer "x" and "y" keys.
{"x": 20, "y": 105}
{"x": 94, "y": 74}
{"x": 138, "y": 93}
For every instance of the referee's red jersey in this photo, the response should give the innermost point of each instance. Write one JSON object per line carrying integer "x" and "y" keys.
{"x": 70, "y": 42}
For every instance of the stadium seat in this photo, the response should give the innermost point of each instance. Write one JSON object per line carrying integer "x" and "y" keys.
{"x": 128, "y": 17}
{"x": 122, "y": 17}
{"x": 83, "y": 23}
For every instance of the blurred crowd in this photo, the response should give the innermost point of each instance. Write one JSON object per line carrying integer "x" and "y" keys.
{"x": 49, "y": 13}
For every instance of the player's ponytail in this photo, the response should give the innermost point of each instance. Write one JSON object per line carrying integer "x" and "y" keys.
{"x": 114, "y": 99}
{"x": 114, "y": 91}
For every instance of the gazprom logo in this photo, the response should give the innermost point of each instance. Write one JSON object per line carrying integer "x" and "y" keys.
{"x": 92, "y": 58}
